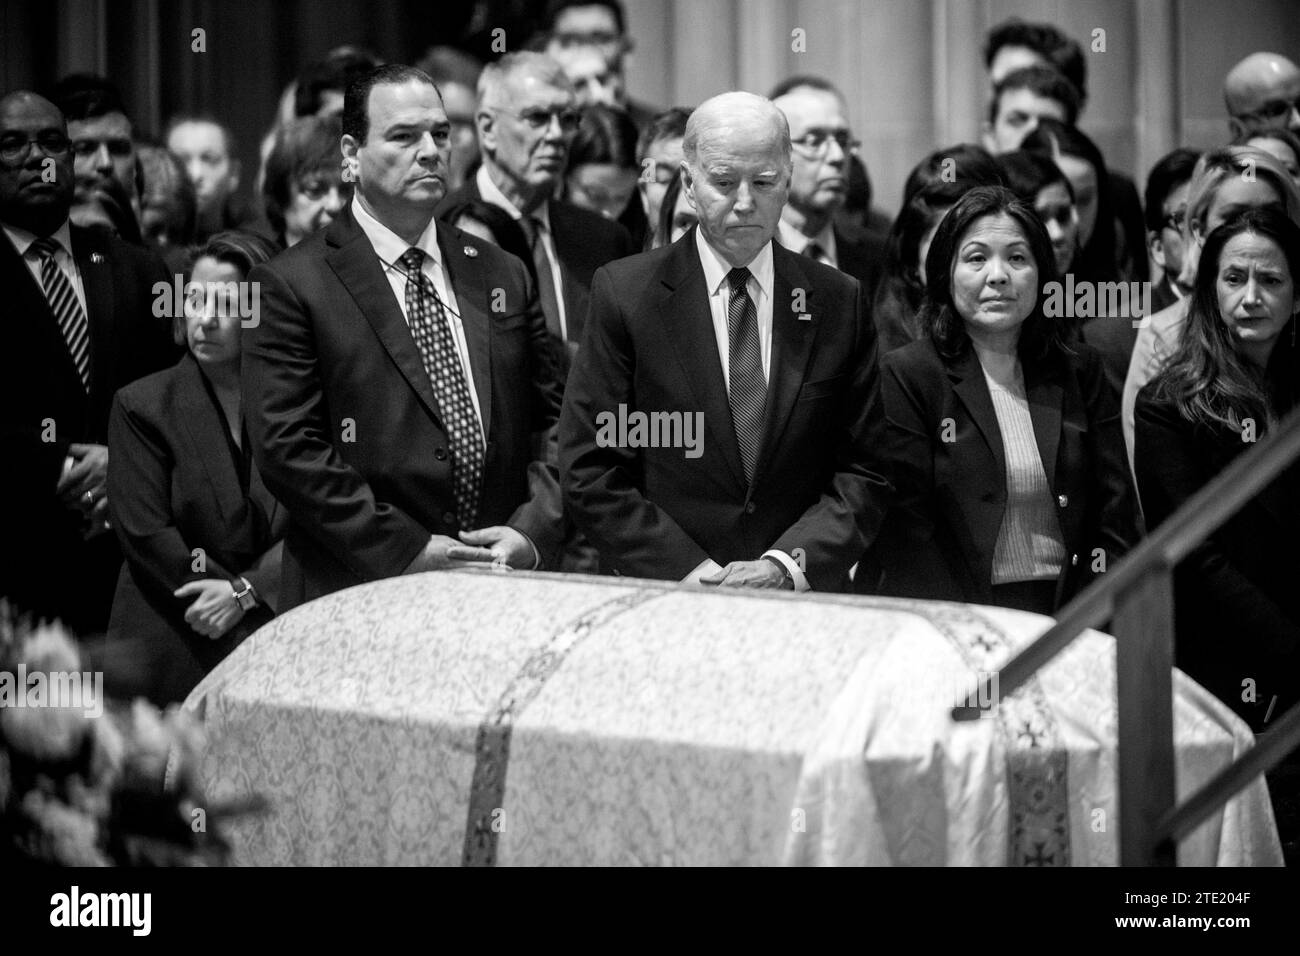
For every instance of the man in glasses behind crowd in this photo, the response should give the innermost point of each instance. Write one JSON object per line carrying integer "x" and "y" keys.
{"x": 527, "y": 119}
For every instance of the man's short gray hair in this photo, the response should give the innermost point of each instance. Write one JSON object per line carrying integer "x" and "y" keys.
{"x": 726, "y": 105}
{"x": 495, "y": 76}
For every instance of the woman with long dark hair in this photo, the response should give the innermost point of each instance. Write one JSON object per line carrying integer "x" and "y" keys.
{"x": 1235, "y": 374}
{"x": 1007, "y": 455}
{"x": 1102, "y": 256}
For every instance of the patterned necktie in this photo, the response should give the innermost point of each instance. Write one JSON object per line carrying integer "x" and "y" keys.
{"x": 67, "y": 309}
{"x": 533, "y": 229}
{"x": 748, "y": 390}
{"x": 432, "y": 334}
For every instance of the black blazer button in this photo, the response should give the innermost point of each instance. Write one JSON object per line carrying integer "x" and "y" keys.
{"x": 440, "y": 454}
{"x": 449, "y": 517}
{"x": 750, "y": 507}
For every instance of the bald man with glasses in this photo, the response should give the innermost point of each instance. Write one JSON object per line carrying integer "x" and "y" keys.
{"x": 527, "y": 118}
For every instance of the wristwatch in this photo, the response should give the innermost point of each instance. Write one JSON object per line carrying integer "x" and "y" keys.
{"x": 246, "y": 596}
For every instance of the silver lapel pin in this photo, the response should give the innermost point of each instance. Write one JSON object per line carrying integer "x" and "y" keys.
{"x": 471, "y": 252}
{"x": 96, "y": 258}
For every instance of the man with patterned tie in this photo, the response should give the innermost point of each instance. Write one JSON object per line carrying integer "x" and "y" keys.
{"x": 78, "y": 323}
{"x": 770, "y": 349}
{"x": 819, "y": 182}
{"x": 527, "y": 118}
{"x": 400, "y": 371}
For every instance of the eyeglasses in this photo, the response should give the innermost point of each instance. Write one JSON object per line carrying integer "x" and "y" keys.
{"x": 537, "y": 118}
{"x": 817, "y": 141}
{"x": 1273, "y": 110}
{"x": 1175, "y": 220}
{"x": 15, "y": 147}
{"x": 88, "y": 147}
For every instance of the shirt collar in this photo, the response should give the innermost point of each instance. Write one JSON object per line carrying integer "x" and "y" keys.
{"x": 488, "y": 190}
{"x": 796, "y": 241}
{"x": 716, "y": 267}
{"x": 388, "y": 245}
{"x": 22, "y": 239}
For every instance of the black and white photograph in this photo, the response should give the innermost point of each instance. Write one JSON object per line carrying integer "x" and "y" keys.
{"x": 651, "y": 433}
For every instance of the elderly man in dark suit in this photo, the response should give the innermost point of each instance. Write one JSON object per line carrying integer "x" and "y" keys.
{"x": 527, "y": 118}
{"x": 400, "y": 371}
{"x": 819, "y": 182}
{"x": 78, "y": 324}
{"x": 721, "y": 419}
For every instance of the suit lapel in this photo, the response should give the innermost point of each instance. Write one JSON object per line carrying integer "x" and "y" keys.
{"x": 204, "y": 422}
{"x": 1045, "y": 391}
{"x": 689, "y": 325}
{"x": 968, "y": 381}
{"x": 469, "y": 284}
{"x": 792, "y": 340}
{"x": 354, "y": 261}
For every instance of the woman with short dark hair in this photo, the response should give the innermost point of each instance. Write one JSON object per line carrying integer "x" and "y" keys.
{"x": 1235, "y": 374}
{"x": 1008, "y": 460}
{"x": 304, "y": 188}
{"x": 200, "y": 532}
{"x": 603, "y": 170}
{"x": 933, "y": 186}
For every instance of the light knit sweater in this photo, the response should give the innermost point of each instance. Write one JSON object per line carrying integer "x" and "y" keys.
{"x": 1029, "y": 546}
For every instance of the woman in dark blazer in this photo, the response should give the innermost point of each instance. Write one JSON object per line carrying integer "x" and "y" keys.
{"x": 1236, "y": 373}
{"x": 199, "y": 530}
{"x": 1004, "y": 441}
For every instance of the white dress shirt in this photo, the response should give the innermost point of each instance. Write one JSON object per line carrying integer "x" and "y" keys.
{"x": 22, "y": 241}
{"x": 796, "y": 241}
{"x": 488, "y": 190}
{"x": 762, "y": 278}
{"x": 390, "y": 248}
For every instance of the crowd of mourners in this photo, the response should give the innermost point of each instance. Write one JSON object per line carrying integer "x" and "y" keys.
{"x": 990, "y": 398}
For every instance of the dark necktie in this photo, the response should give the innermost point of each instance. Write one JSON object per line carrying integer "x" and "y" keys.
{"x": 65, "y": 306}
{"x": 533, "y": 229}
{"x": 432, "y": 334}
{"x": 748, "y": 388}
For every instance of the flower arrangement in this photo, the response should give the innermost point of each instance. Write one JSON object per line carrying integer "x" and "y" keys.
{"x": 84, "y": 782}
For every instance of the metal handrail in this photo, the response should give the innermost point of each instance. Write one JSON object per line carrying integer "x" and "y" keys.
{"x": 1200, "y": 516}
{"x": 1155, "y": 557}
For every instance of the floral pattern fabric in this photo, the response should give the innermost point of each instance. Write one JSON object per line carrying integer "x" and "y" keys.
{"x": 527, "y": 719}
